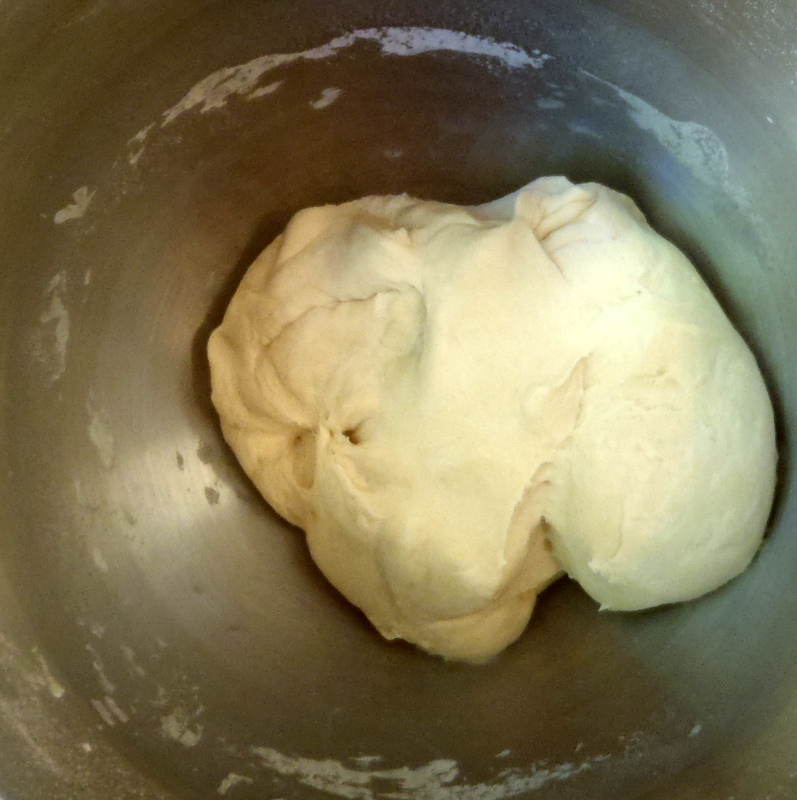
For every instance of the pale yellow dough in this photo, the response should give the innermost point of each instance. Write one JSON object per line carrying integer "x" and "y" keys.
{"x": 458, "y": 405}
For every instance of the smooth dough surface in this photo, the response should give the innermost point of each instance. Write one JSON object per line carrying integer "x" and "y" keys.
{"x": 458, "y": 405}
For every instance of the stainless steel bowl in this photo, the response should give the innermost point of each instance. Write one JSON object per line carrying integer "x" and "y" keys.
{"x": 162, "y": 633}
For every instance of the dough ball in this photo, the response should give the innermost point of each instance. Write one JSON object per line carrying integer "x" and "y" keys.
{"x": 458, "y": 405}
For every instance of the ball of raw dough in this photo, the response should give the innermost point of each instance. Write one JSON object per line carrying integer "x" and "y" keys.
{"x": 459, "y": 404}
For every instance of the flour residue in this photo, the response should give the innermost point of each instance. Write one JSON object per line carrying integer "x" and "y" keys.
{"x": 414, "y": 41}
{"x": 364, "y": 762}
{"x": 181, "y": 727}
{"x": 50, "y": 343}
{"x": 100, "y": 432}
{"x": 27, "y": 705}
{"x": 264, "y": 91}
{"x": 48, "y": 679}
{"x": 581, "y": 129}
{"x": 136, "y": 147}
{"x": 105, "y": 682}
{"x": 107, "y": 717}
{"x": 327, "y": 98}
{"x": 550, "y": 103}
{"x": 694, "y": 145}
{"x": 114, "y": 708}
{"x": 99, "y": 560}
{"x": 97, "y": 629}
{"x": 231, "y": 781}
{"x": 81, "y": 199}
{"x": 213, "y": 91}
{"x": 433, "y": 781}
{"x": 130, "y": 655}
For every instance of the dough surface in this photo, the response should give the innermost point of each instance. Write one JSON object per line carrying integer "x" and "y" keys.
{"x": 458, "y": 405}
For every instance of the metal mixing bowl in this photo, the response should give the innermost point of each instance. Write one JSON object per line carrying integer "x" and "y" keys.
{"x": 162, "y": 633}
